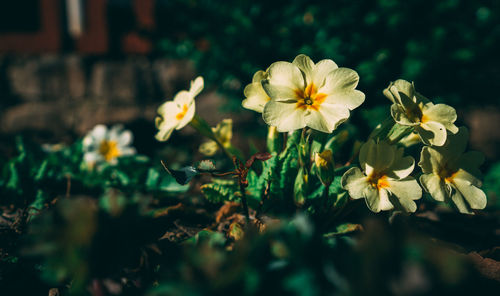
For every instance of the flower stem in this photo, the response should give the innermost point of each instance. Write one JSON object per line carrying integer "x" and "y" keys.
{"x": 403, "y": 132}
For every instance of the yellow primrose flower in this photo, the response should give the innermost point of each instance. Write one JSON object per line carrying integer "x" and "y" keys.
{"x": 224, "y": 132}
{"x": 412, "y": 109}
{"x": 177, "y": 113}
{"x": 306, "y": 94}
{"x": 106, "y": 145}
{"x": 451, "y": 173}
{"x": 256, "y": 96}
{"x": 386, "y": 178}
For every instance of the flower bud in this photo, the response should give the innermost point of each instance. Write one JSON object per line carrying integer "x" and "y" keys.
{"x": 325, "y": 167}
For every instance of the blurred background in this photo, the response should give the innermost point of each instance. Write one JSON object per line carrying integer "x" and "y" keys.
{"x": 67, "y": 65}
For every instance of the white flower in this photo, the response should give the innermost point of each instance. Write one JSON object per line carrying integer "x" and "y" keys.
{"x": 106, "y": 145}
{"x": 177, "y": 113}
{"x": 306, "y": 94}
{"x": 386, "y": 178}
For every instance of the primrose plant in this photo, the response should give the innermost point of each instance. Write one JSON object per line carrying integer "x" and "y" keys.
{"x": 304, "y": 104}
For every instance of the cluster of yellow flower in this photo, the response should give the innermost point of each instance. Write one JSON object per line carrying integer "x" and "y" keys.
{"x": 448, "y": 172}
{"x": 320, "y": 96}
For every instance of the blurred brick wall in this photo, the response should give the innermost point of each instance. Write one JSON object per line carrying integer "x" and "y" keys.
{"x": 61, "y": 93}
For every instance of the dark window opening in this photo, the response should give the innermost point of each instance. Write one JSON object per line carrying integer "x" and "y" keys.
{"x": 21, "y": 16}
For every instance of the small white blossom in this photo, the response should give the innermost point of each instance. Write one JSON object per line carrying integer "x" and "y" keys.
{"x": 106, "y": 145}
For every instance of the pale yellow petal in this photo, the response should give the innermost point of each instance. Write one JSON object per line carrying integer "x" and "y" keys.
{"x": 259, "y": 76}
{"x": 406, "y": 190}
{"x": 351, "y": 99}
{"x": 441, "y": 113}
{"x": 402, "y": 166}
{"x": 306, "y": 65}
{"x": 183, "y": 97}
{"x": 284, "y": 116}
{"x": 376, "y": 157}
{"x": 164, "y": 132}
{"x": 401, "y": 116}
{"x": 431, "y": 160}
{"x": 339, "y": 80}
{"x": 169, "y": 110}
{"x": 460, "y": 203}
{"x": 377, "y": 200}
{"x": 475, "y": 197}
{"x": 435, "y": 186}
{"x": 284, "y": 75}
{"x": 196, "y": 86}
{"x": 405, "y": 87}
{"x": 321, "y": 70}
{"x": 463, "y": 175}
{"x": 354, "y": 181}
{"x": 327, "y": 118}
{"x": 432, "y": 133}
{"x": 256, "y": 97}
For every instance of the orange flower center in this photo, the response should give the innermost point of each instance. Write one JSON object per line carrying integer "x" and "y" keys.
{"x": 309, "y": 98}
{"x": 109, "y": 150}
{"x": 447, "y": 175}
{"x": 378, "y": 181}
{"x": 183, "y": 112}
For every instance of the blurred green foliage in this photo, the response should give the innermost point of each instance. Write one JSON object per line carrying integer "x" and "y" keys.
{"x": 449, "y": 48}
{"x": 36, "y": 176}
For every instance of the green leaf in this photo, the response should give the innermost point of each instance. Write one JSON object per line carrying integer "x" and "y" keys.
{"x": 220, "y": 190}
{"x": 254, "y": 189}
{"x": 293, "y": 140}
{"x": 344, "y": 229}
{"x": 152, "y": 179}
{"x": 269, "y": 175}
{"x": 14, "y": 181}
{"x": 289, "y": 169}
{"x": 122, "y": 177}
{"x": 42, "y": 171}
{"x": 39, "y": 203}
{"x": 169, "y": 184}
